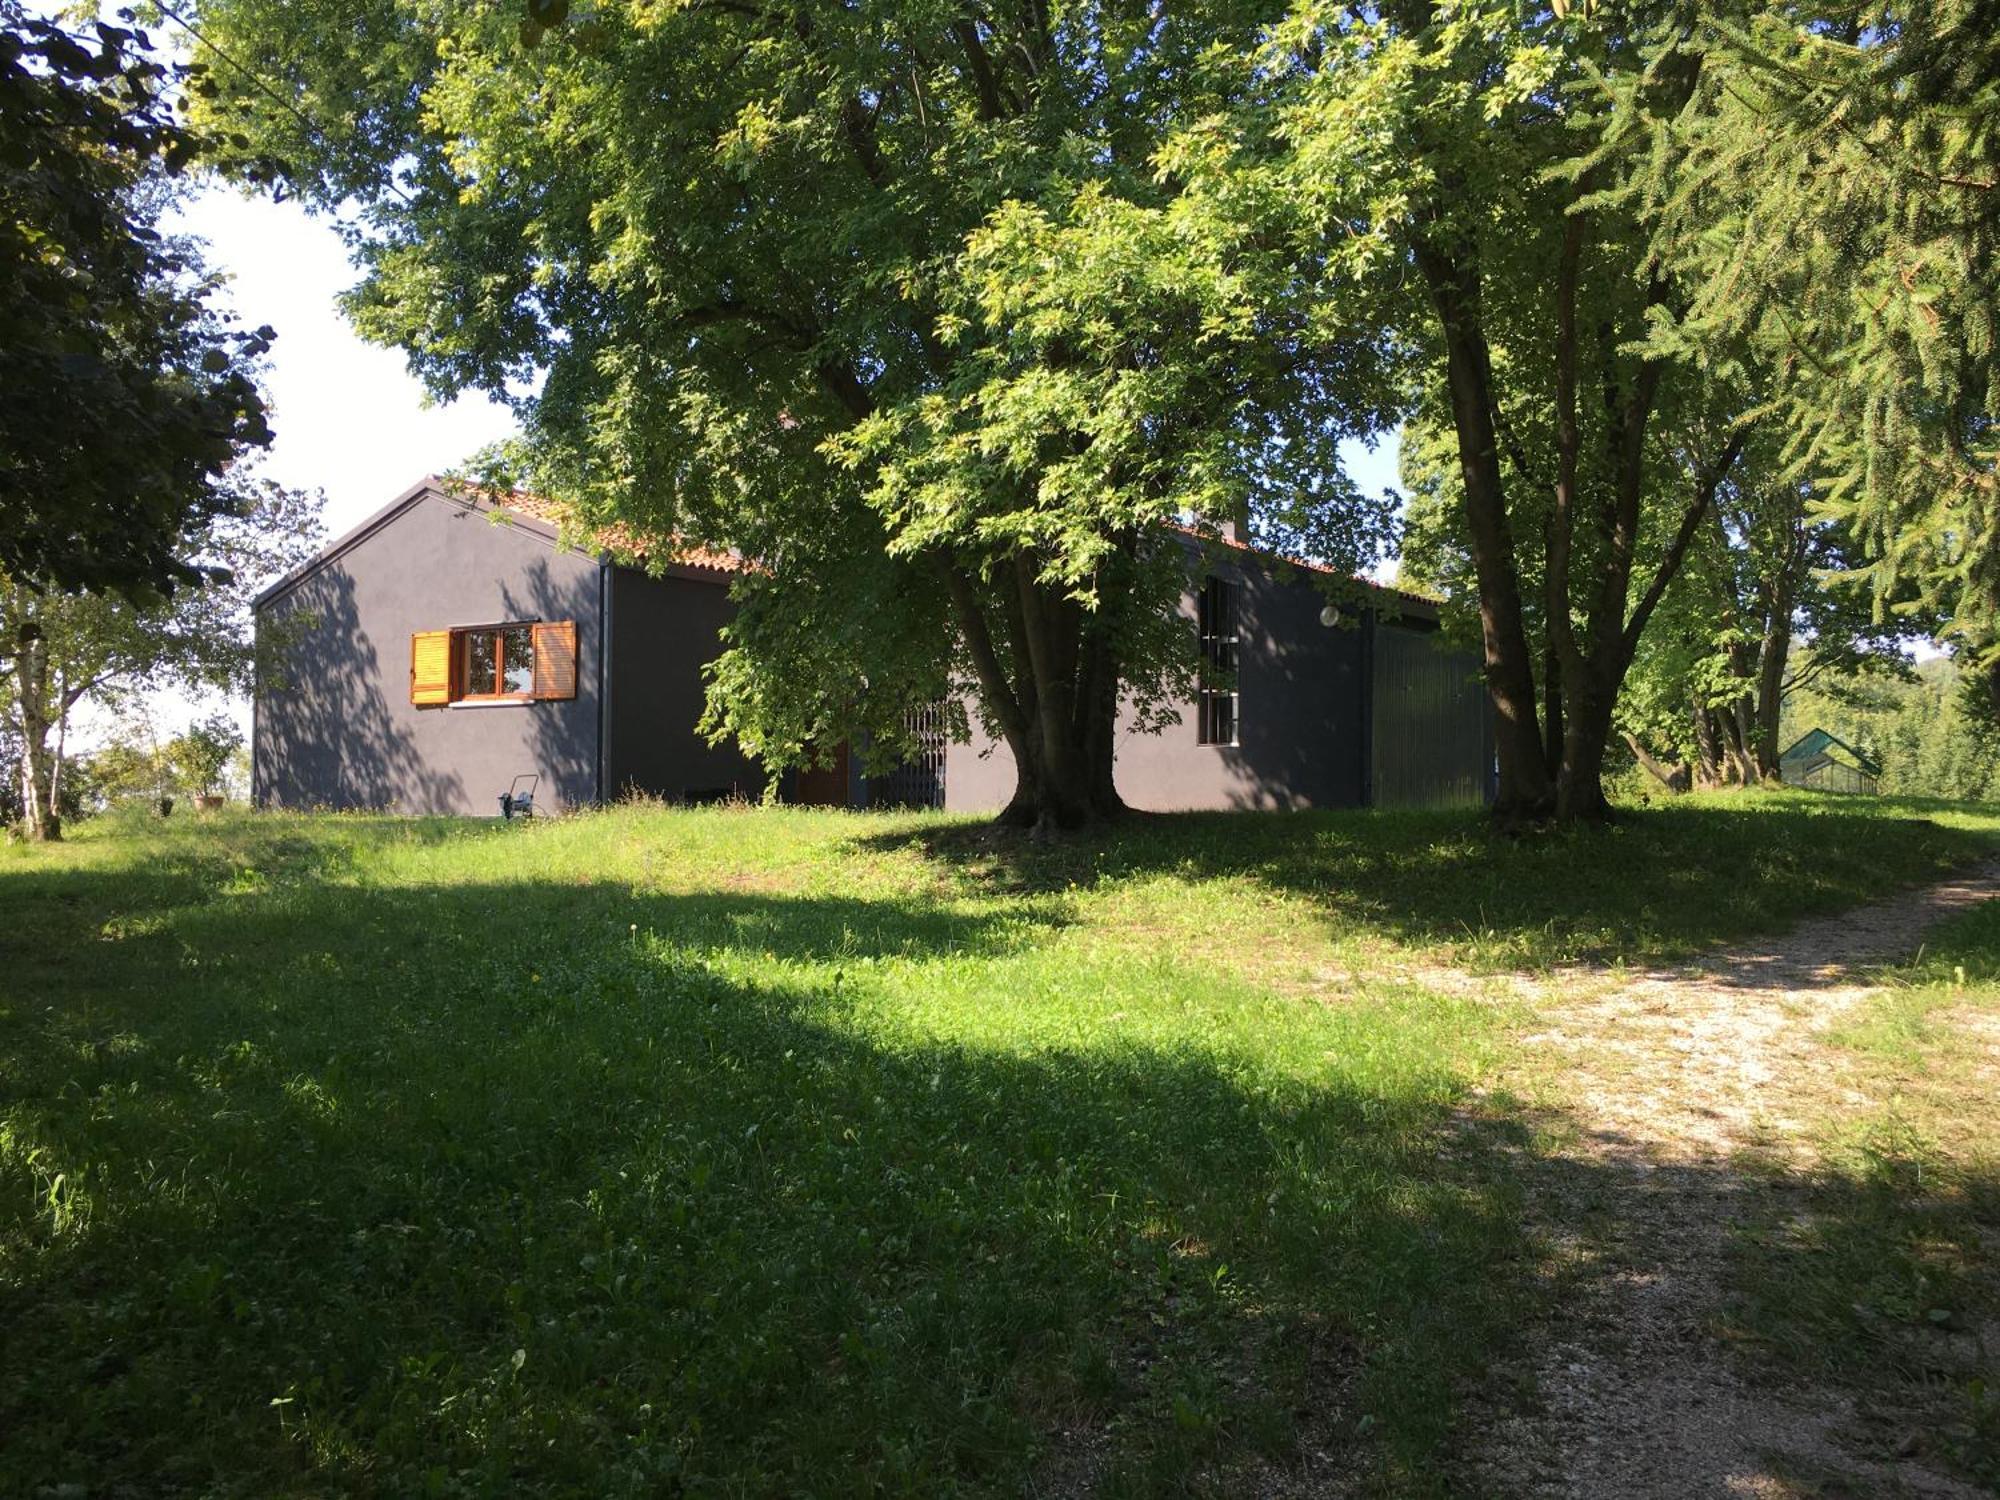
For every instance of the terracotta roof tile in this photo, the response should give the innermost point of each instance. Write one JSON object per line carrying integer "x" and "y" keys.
{"x": 617, "y": 539}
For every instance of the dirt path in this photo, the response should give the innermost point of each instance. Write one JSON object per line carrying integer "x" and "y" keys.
{"x": 1676, "y": 1076}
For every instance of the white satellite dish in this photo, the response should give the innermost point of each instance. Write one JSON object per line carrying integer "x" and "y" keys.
{"x": 1330, "y": 616}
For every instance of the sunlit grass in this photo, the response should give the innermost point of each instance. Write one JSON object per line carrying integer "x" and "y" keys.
{"x": 777, "y": 1152}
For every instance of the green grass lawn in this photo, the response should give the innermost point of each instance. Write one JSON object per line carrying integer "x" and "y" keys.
{"x": 750, "y": 1152}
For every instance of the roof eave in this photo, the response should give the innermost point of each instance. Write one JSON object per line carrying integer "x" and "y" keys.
{"x": 429, "y": 485}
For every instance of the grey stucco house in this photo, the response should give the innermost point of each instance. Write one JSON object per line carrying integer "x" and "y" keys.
{"x": 451, "y": 643}
{"x": 407, "y": 689}
{"x": 1355, "y": 707}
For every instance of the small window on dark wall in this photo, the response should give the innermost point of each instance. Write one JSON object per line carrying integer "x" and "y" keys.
{"x": 1217, "y": 711}
{"x": 493, "y": 663}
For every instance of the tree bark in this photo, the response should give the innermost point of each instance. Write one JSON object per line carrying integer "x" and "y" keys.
{"x": 1774, "y": 656}
{"x": 1736, "y": 739}
{"x": 1707, "y": 747}
{"x": 31, "y": 672}
{"x": 56, "y": 761}
{"x": 1587, "y": 709}
{"x": 1675, "y": 778}
{"x": 1053, "y": 688}
{"x": 1527, "y": 790}
{"x": 1552, "y": 705}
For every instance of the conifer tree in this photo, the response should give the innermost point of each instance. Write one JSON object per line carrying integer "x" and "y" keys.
{"x": 1831, "y": 193}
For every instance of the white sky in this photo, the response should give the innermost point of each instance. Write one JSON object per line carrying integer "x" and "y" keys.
{"x": 351, "y": 421}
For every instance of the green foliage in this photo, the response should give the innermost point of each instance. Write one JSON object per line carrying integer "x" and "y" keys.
{"x": 1761, "y": 612}
{"x": 200, "y": 754}
{"x": 1918, "y": 726}
{"x": 902, "y": 302}
{"x": 198, "y": 636}
{"x": 127, "y": 397}
{"x": 1830, "y": 196}
{"x": 131, "y": 768}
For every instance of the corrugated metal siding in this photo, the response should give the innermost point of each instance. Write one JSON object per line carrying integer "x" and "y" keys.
{"x": 1433, "y": 723}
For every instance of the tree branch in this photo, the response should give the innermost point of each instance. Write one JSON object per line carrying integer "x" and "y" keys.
{"x": 986, "y": 661}
{"x": 1690, "y": 523}
{"x": 1673, "y": 778}
{"x": 991, "y": 107}
{"x": 74, "y": 695}
{"x": 857, "y": 123}
{"x": 846, "y": 387}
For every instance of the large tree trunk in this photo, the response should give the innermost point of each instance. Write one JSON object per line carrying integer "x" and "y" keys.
{"x": 1742, "y": 717}
{"x": 1587, "y": 709}
{"x": 1773, "y": 658}
{"x": 1738, "y": 716}
{"x": 1552, "y": 705}
{"x": 1527, "y": 790}
{"x": 1050, "y": 678}
{"x": 1707, "y": 747}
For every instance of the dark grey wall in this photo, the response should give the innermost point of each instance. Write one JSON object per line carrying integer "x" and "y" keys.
{"x": 664, "y": 631}
{"x": 1433, "y": 729}
{"x": 341, "y": 731}
{"x": 1301, "y": 723}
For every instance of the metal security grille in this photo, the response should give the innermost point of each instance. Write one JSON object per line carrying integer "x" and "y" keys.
{"x": 918, "y": 782}
{"x": 1217, "y": 711}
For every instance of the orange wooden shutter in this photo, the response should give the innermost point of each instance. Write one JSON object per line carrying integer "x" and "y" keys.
{"x": 430, "y": 668}
{"x": 555, "y": 660}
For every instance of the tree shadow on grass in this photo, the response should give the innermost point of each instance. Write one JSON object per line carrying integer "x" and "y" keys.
{"x": 468, "y": 1190}
{"x": 1716, "y": 1327}
{"x": 1661, "y": 883}
{"x": 1883, "y": 1283}
{"x": 472, "y": 1190}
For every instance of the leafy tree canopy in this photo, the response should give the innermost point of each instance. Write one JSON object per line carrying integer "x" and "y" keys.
{"x": 907, "y": 301}
{"x": 200, "y": 754}
{"x": 127, "y": 397}
{"x": 1480, "y": 209}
